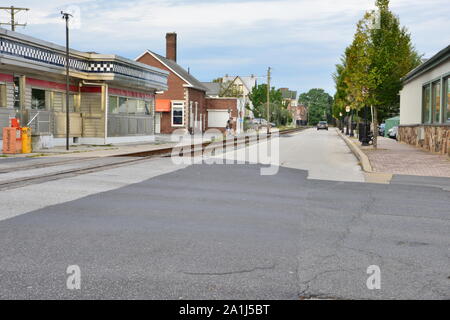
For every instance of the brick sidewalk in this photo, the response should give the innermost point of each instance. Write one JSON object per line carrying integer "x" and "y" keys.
{"x": 399, "y": 158}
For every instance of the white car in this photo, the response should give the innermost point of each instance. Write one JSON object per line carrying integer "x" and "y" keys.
{"x": 392, "y": 133}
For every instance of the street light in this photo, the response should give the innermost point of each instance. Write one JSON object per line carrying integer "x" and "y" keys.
{"x": 66, "y": 16}
{"x": 347, "y": 131}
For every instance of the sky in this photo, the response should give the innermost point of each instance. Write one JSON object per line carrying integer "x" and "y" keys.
{"x": 301, "y": 40}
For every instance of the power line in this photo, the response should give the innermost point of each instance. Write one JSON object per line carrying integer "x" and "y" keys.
{"x": 12, "y": 11}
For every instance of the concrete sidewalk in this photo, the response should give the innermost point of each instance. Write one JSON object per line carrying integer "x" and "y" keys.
{"x": 399, "y": 158}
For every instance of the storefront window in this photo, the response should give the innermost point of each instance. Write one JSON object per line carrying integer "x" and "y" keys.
{"x": 17, "y": 93}
{"x": 436, "y": 90}
{"x": 113, "y": 106}
{"x": 37, "y": 99}
{"x": 132, "y": 106}
{"x": 141, "y": 107}
{"x": 123, "y": 105}
{"x": 448, "y": 99}
{"x": 426, "y": 104}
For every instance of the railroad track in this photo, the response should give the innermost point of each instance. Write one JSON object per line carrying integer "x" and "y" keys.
{"x": 130, "y": 158}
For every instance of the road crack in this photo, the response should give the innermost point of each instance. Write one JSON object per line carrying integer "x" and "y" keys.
{"x": 272, "y": 267}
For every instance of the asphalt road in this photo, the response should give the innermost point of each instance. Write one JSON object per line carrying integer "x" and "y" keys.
{"x": 159, "y": 231}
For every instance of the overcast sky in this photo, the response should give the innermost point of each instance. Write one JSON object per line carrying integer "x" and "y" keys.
{"x": 301, "y": 40}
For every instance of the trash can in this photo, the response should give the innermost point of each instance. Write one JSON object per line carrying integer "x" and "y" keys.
{"x": 26, "y": 140}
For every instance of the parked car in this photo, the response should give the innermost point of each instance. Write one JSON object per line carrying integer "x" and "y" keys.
{"x": 392, "y": 133}
{"x": 381, "y": 129}
{"x": 322, "y": 125}
{"x": 261, "y": 122}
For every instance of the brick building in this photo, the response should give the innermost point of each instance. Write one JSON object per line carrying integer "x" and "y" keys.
{"x": 187, "y": 103}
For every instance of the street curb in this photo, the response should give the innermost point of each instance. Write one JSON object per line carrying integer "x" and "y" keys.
{"x": 362, "y": 157}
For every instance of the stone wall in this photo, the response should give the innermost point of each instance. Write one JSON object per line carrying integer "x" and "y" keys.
{"x": 434, "y": 138}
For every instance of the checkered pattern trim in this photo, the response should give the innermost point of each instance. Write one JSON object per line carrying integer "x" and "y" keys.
{"x": 34, "y": 53}
{"x": 38, "y": 54}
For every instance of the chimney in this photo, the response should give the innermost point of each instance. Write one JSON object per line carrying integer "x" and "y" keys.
{"x": 171, "y": 46}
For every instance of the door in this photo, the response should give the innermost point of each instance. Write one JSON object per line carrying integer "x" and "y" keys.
{"x": 157, "y": 122}
{"x": 218, "y": 118}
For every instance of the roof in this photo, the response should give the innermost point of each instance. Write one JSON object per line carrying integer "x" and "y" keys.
{"x": 396, "y": 118}
{"x": 213, "y": 88}
{"x": 435, "y": 60}
{"x": 179, "y": 71}
{"x": 249, "y": 81}
{"x": 288, "y": 94}
{"x": 19, "y": 50}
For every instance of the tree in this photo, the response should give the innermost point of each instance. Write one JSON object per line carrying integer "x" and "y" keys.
{"x": 279, "y": 114}
{"x": 370, "y": 74}
{"x": 319, "y": 104}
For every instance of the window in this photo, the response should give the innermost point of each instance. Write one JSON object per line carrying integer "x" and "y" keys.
{"x": 447, "y": 117}
{"x": 426, "y": 104}
{"x": 177, "y": 114}
{"x": 123, "y": 105}
{"x": 132, "y": 106}
{"x": 2, "y": 95}
{"x": 113, "y": 104}
{"x": 436, "y": 95}
{"x": 38, "y": 99}
{"x": 17, "y": 93}
{"x": 141, "y": 107}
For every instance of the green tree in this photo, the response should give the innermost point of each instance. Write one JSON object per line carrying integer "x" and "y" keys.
{"x": 370, "y": 74}
{"x": 279, "y": 114}
{"x": 319, "y": 104}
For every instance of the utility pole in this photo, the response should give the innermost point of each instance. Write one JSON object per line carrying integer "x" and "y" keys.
{"x": 66, "y": 16}
{"x": 268, "y": 101}
{"x": 12, "y": 11}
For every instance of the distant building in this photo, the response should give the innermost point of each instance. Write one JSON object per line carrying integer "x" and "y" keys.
{"x": 425, "y": 105}
{"x": 187, "y": 103}
{"x": 298, "y": 111}
{"x": 213, "y": 89}
{"x": 244, "y": 85}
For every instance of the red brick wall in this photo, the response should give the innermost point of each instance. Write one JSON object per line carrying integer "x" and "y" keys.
{"x": 198, "y": 96}
{"x": 176, "y": 91}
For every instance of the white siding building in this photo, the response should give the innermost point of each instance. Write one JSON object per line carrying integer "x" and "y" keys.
{"x": 425, "y": 105}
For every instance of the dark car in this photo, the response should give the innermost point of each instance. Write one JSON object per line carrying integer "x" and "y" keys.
{"x": 322, "y": 125}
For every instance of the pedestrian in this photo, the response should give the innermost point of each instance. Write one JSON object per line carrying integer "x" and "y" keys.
{"x": 229, "y": 126}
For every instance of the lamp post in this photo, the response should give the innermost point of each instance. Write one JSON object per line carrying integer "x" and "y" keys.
{"x": 347, "y": 129}
{"x": 66, "y": 16}
{"x": 365, "y": 132}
